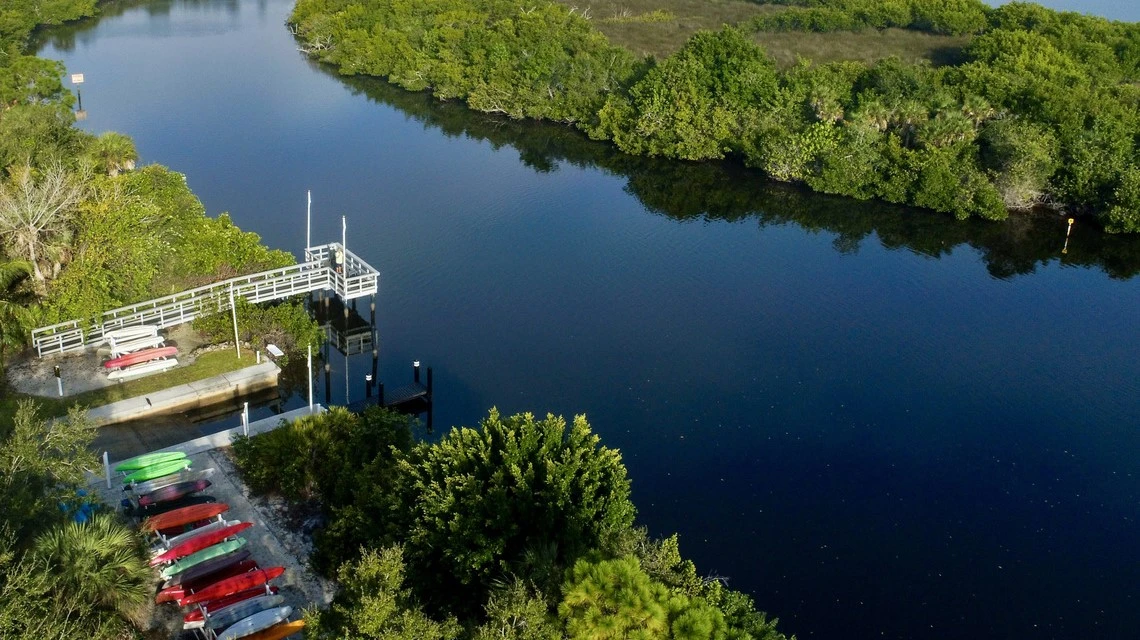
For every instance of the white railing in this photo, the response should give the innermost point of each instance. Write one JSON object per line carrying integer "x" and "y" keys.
{"x": 359, "y": 279}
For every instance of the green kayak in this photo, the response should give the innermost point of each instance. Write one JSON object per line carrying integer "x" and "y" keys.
{"x": 149, "y": 459}
{"x": 199, "y": 557}
{"x": 157, "y": 470}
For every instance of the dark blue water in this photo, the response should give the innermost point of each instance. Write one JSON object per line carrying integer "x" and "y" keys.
{"x": 880, "y": 422}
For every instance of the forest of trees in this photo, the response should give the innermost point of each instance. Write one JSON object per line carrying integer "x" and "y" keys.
{"x": 1044, "y": 108}
{"x": 519, "y": 529}
{"x": 82, "y": 230}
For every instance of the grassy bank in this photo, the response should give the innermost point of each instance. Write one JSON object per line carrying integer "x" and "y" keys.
{"x": 204, "y": 366}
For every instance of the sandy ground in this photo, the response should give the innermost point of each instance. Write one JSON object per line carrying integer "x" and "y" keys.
{"x": 84, "y": 371}
{"x": 271, "y": 542}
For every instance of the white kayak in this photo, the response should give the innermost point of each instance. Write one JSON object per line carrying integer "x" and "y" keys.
{"x": 228, "y": 616}
{"x": 256, "y": 622}
{"x": 123, "y": 347}
{"x": 129, "y": 333}
{"x": 142, "y": 369}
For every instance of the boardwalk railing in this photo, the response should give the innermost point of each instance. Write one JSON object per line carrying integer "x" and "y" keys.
{"x": 359, "y": 279}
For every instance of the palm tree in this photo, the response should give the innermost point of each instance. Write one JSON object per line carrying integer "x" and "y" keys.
{"x": 99, "y": 562}
{"x": 113, "y": 153}
{"x": 977, "y": 109}
{"x": 35, "y": 214}
{"x": 945, "y": 129}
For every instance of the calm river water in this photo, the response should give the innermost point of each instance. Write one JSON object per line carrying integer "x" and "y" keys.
{"x": 880, "y": 422}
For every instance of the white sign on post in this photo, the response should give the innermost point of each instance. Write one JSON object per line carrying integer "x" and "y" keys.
{"x": 77, "y": 78}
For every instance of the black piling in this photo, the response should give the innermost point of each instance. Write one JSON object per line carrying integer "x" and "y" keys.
{"x": 368, "y": 385}
{"x": 375, "y": 362}
{"x": 328, "y": 384}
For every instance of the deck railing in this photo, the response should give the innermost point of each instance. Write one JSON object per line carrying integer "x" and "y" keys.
{"x": 359, "y": 279}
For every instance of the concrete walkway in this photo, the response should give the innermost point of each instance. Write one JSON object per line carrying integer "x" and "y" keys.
{"x": 192, "y": 395}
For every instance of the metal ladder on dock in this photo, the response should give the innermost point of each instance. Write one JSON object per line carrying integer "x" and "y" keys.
{"x": 357, "y": 279}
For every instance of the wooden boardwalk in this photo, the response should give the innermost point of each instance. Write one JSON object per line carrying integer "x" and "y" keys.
{"x": 315, "y": 274}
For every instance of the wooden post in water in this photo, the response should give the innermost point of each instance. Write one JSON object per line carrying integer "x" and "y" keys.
{"x": 368, "y": 385}
{"x": 1065, "y": 249}
{"x": 416, "y": 371}
{"x": 375, "y": 361}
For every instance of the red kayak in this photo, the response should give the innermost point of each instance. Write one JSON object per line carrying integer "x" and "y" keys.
{"x": 197, "y": 543}
{"x": 233, "y": 585}
{"x": 173, "y": 492}
{"x": 234, "y": 598}
{"x": 184, "y": 516}
{"x": 176, "y": 593}
{"x": 141, "y": 356}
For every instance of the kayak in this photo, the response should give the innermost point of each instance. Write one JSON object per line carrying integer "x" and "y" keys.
{"x": 185, "y": 475}
{"x": 256, "y": 622}
{"x": 174, "y": 505}
{"x": 129, "y": 333}
{"x": 148, "y": 459}
{"x": 184, "y": 516}
{"x": 203, "y": 570}
{"x": 283, "y": 630}
{"x": 138, "y": 343}
{"x": 166, "y": 544}
{"x": 212, "y": 551}
{"x": 233, "y": 585}
{"x": 177, "y": 593}
{"x": 143, "y": 355}
{"x": 173, "y": 492}
{"x": 224, "y": 618}
{"x": 196, "y": 543}
{"x": 157, "y": 470}
{"x": 209, "y": 608}
{"x": 143, "y": 368}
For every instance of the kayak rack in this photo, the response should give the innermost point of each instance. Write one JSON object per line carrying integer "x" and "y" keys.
{"x": 353, "y": 279}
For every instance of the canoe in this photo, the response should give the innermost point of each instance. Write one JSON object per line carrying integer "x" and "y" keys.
{"x": 143, "y": 369}
{"x": 203, "y": 570}
{"x": 185, "y": 475}
{"x": 184, "y": 516}
{"x": 196, "y": 543}
{"x": 142, "y": 355}
{"x": 212, "y": 551}
{"x": 277, "y": 632}
{"x": 225, "y": 618}
{"x": 209, "y": 608}
{"x": 167, "y": 544}
{"x": 256, "y": 622}
{"x": 178, "y": 592}
{"x": 128, "y": 333}
{"x": 173, "y": 492}
{"x": 233, "y": 585}
{"x": 123, "y": 347}
{"x": 148, "y": 459}
{"x": 160, "y": 508}
{"x": 157, "y": 470}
